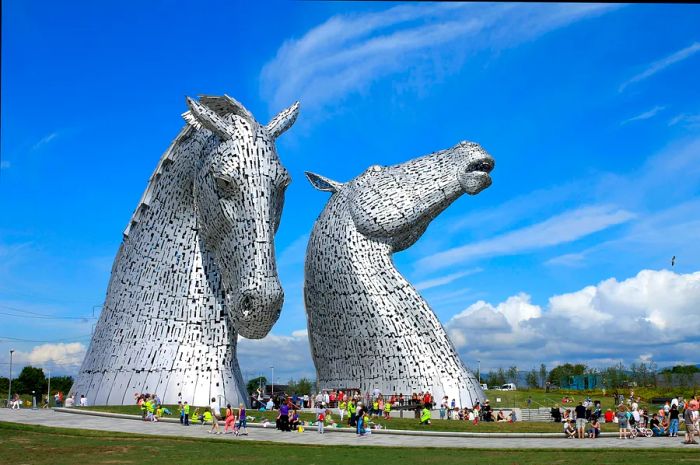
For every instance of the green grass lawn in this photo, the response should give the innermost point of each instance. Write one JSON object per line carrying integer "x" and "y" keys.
{"x": 38, "y": 445}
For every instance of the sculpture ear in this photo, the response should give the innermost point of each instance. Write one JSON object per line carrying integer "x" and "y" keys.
{"x": 322, "y": 183}
{"x": 283, "y": 120}
{"x": 200, "y": 116}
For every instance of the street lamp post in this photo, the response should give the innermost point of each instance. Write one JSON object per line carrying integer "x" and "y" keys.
{"x": 478, "y": 371}
{"x": 272, "y": 389}
{"x": 9, "y": 386}
{"x": 48, "y": 393}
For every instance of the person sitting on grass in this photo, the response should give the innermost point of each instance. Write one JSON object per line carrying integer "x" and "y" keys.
{"x": 198, "y": 416}
{"x": 594, "y": 430}
{"x": 207, "y": 417}
{"x": 570, "y": 429}
{"x": 425, "y": 416}
{"x": 500, "y": 418}
{"x": 655, "y": 426}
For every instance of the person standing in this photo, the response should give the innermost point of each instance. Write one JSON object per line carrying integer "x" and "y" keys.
{"x": 580, "y": 420}
{"x": 216, "y": 416}
{"x": 186, "y": 410}
{"x": 230, "y": 420}
{"x": 242, "y": 419}
{"x": 689, "y": 425}
{"x": 673, "y": 425}
{"x": 320, "y": 418}
{"x": 352, "y": 409}
{"x": 342, "y": 408}
{"x": 284, "y": 416}
{"x": 622, "y": 421}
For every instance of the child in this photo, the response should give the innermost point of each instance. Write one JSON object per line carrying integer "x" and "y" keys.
{"x": 425, "y": 415}
{"x": 387, "y": 411}
{"x": 207, "y": 417}
{"x": 320, "y": 418}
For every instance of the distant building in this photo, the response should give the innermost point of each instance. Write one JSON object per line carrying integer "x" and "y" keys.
{"x": 582, "y": 382}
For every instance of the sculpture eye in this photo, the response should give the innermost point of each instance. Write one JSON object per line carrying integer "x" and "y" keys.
{"x": 375, "y": 168}
{"x": 225, "y": 185}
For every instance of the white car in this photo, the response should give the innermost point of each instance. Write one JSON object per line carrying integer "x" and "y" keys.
{"x": 508, "y": 387}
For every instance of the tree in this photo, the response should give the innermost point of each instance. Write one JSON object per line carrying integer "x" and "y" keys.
{"x": 512, "y": 374}
{"x": 255, "y": 384}
{"x": 497, "y": 378}
{"x": 30, "y": 379}
{"x": 615, "y": 376}
{"x": 543, "y": 375}
{"x": 532, "y": 379}
{"x": 304, "y": 386}
{"x": 61, "y": 383}
{"x": 682, "y": 369}
{"x": 562, "y": 373}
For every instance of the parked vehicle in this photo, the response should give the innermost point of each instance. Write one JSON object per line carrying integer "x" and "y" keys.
{"x": 484, "y": 386}
{"x": 508, "y": 387}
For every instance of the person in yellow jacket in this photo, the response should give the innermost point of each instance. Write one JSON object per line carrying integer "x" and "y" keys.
{"x": 387, "y": 410}
{"x": 352, "y": 409}
{"x": 425, "y": 416}
{"x": 342, "y": 408}
{"x": 207, "y": 417}
{"x": 375, "y": 408}
{"x": 186, "y": 410}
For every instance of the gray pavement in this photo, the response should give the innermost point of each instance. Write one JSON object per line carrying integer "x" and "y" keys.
{"x": 311, "y": 437}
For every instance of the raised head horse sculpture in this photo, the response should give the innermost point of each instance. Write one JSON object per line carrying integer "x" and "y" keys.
{"x": 368, "y": 326}
{"x": 196, "y": 267}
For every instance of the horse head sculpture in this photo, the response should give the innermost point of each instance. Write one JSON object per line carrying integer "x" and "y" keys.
{"x": 239, "y": 189}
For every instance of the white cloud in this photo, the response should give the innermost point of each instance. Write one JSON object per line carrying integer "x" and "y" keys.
{"x": 651, "y": 316}
{"x": 290, "y": 355}
{"x": 662, "y": 64}
{"x": 45, "y": 140}
{"x": 294, "y": 253}
{"x": 347, "y": 53}
{"x": 645, "y": 115}
{"x": 65, "y": 357}
{"x": 687, "y": 120}
{"x": 563, "y": 228}
{"x": 442, "y": 280}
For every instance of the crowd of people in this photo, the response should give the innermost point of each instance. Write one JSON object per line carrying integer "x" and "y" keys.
{"x": 632, "y": 419}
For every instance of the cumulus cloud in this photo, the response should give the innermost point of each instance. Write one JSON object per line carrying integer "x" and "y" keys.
{"x": 651, "y": 316}
{"x": 290, "y": 355}
{"x": 64, "y": 357}
{"x": 347, "y": 53}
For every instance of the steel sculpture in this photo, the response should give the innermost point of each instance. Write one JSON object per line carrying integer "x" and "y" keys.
{"x": 368, "y": 326}
{"x": 196, "y": 267}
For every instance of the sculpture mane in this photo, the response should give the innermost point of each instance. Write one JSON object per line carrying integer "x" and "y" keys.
{"x": 368, "y": 326}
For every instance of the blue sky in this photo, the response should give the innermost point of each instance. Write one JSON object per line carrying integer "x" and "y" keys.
{"x": 592, "y": 113}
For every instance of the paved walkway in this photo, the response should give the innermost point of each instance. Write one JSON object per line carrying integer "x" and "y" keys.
{"x": 309, "y": 437}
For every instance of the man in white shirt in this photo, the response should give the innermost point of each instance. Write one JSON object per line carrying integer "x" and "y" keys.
{"x": 83, "y": 401}
{"x": 306, "y": 400}
{"x": 270, "y": 405}
{"x": 216, "y": 415}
